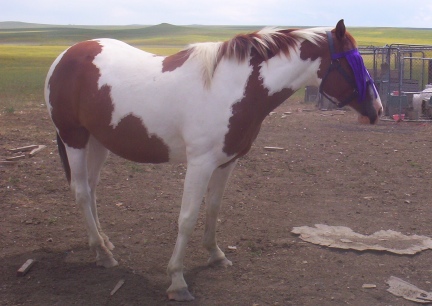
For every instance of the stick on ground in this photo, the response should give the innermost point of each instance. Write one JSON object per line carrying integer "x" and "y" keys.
{"x": 118, "y": 286}
{"x": 25, "y": 267}
{"x": 23, "y": 149}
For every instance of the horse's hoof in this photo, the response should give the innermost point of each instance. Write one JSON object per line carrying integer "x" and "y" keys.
{"x": 180, "y": 295}
{"x": 107, "y": 262}
{"x": 221, "y": 262}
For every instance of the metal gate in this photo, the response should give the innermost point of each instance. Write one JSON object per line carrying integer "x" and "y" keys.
{"x": 399, "y": 72}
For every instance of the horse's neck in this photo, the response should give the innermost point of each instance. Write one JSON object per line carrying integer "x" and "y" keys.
{"x": 273, "y": 81}
{"x": 282, "y": 72}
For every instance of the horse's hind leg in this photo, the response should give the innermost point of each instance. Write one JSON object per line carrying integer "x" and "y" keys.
{"x": 213, "y": 201}
{"x": 96, "y": 156}
{"x": 83, "y": 195}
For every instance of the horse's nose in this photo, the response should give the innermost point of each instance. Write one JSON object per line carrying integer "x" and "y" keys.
{"x": 380, "y": 112}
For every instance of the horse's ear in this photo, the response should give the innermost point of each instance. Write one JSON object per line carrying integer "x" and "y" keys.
{"x": 340, "y": 29}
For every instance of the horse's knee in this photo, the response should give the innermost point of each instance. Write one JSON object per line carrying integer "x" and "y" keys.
{"x": 186, "y": 225}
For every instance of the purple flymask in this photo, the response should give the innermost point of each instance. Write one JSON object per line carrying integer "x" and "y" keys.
{"x": 362, "y": 76}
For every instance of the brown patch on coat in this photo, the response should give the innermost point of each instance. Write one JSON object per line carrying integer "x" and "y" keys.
{"x": 172, "y": 62}
{"x": 310, "y": 51}
{"x": 249, "y": 113}
{"x": 129, "y": 139}
{"x": 80, "y": 108}
{"x": 73, "y": 77}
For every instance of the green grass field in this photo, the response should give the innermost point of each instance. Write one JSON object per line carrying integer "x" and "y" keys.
{"x": 27, "y": 51}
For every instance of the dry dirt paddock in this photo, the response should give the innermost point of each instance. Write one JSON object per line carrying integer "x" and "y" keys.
{"x": 333, "y": 171}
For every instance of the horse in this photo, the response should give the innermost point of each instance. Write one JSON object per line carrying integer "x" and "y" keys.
{"x": 202, "y": 106}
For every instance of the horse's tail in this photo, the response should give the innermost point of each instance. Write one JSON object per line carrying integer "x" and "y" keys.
{"x": 64, "y": 158}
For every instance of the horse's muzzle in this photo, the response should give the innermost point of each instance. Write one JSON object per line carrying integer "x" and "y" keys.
{"x": 374, "y": 115}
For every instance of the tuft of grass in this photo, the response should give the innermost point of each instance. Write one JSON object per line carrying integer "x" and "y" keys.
{"x": 135, "y": 167}
{"x": 52, "y": 220}
{"x": 10, "y": 110}
{"x": 414, "y": 164}
{"x": 254, "y": 249}
{"x": 13, "y": 180}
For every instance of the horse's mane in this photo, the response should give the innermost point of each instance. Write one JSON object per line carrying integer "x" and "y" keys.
{"x": 266, "y": 42}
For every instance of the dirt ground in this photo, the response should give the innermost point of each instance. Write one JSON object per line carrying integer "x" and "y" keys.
{"x": 333, "y": 171}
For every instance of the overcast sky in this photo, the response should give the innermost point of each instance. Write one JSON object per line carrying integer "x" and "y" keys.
{"x": 368, "y": 13}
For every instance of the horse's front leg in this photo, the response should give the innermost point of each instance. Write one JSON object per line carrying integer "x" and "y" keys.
{"x": 215, "y": 192}
{"x": 196, "y": 182}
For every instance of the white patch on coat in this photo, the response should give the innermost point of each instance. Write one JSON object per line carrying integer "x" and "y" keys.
{"x": 292, "y": 72}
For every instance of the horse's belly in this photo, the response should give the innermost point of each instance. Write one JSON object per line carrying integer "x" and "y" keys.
{"x": 131, "y": 140}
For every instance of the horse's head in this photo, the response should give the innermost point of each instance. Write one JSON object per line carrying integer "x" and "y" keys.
{"x": 345, "y": 79}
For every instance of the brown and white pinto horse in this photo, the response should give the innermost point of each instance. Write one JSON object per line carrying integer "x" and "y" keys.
{"x": 203, "y": 105}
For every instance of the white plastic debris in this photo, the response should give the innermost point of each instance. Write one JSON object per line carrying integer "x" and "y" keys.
{"x": 408, "y": 291}
{"x": 345, "y": 238}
